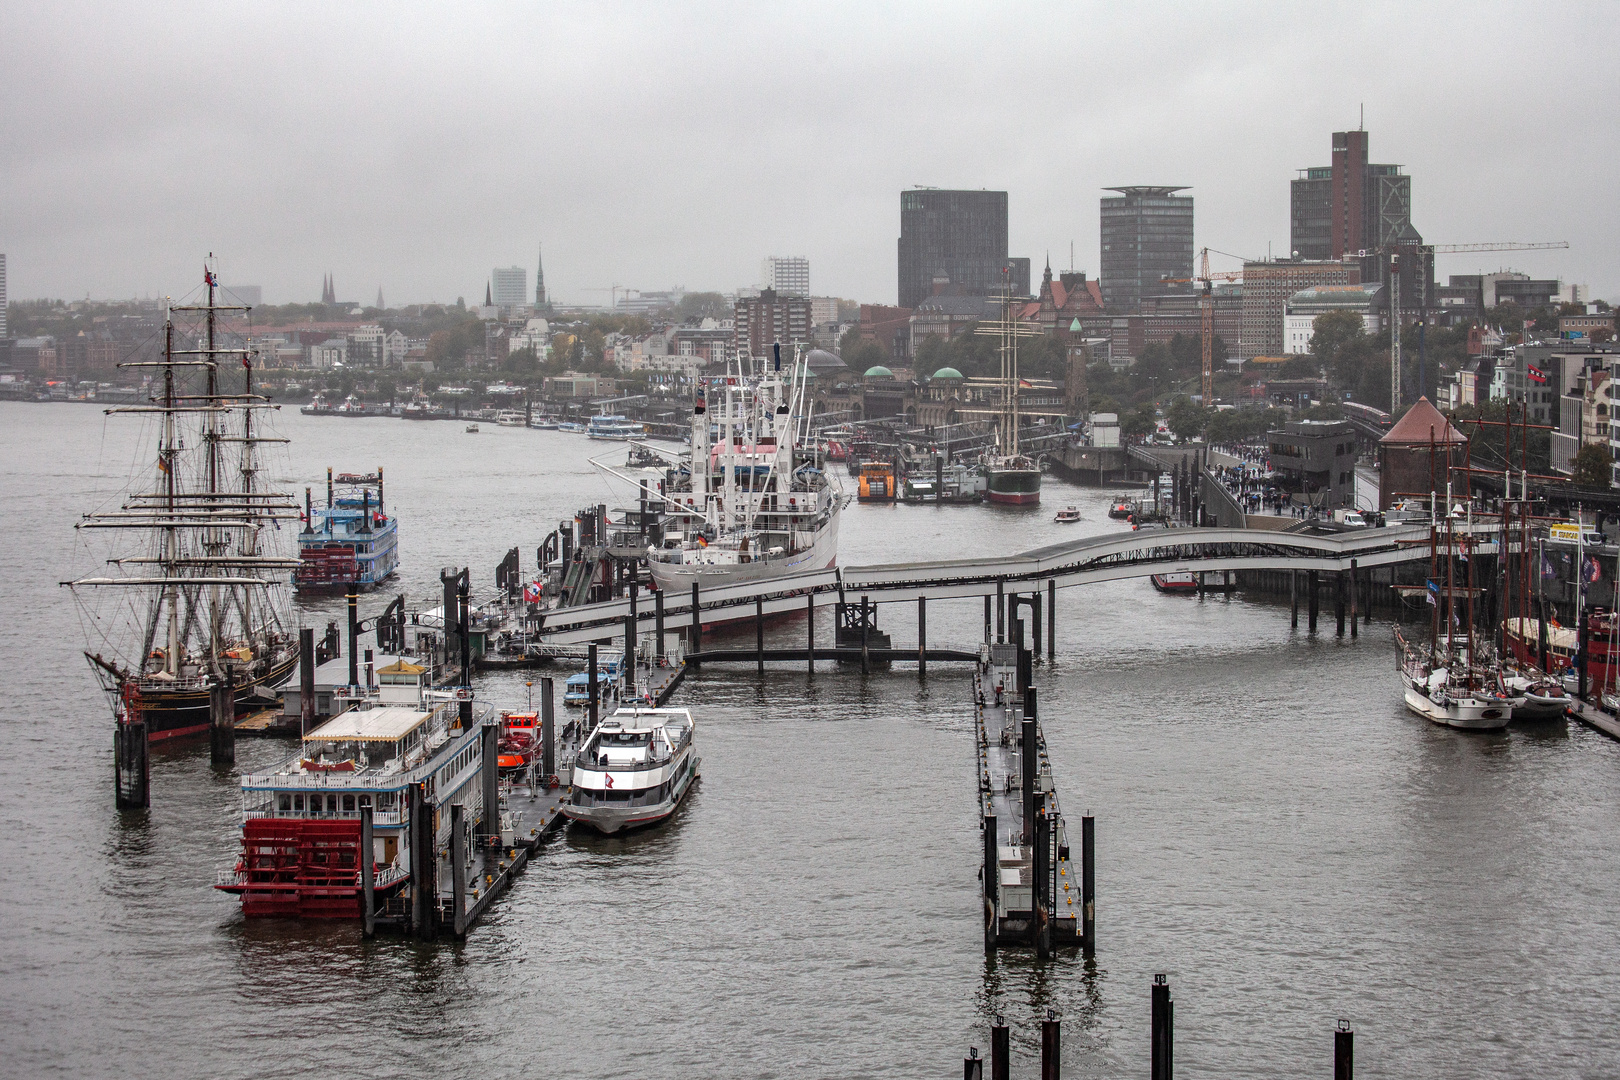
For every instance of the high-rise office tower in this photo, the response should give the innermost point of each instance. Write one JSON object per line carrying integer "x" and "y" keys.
{"x": 959, "y": 236}
{"x": 1351, "y": 205}
{"x": 1147, "y": 236}
{"x": 789, "y": 275}
{"x": 509, "y": 286}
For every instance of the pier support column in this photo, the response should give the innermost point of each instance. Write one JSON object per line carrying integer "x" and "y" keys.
{"x": 992, "y": 883}
{"x": 1000, "y": 1051}
{"x": 464, "y": 633}
{"x": 1311, "y": 587}
{"x": 759, "y": 633}
{"x": 368, "y": 873}
{"x": 1040, "y": 893}
{"x": 132, "y": 787}
{"x": 1001, "y": 612}
{"x": 658, "y": 621}
{"x": 632, "y": 626}
{"x": 1344, "y": 1052}
{"x": 548, "y": 729}
{"x": 1035, "y": 621}
{"x": 424, "y": 866}
{"x": 222, "y": 723}
{"x": 1051, "y": 1047}
{"x": 490, "y": 739}
{"x": 1162, "y": 1066}
{"x": 1338, "y": 601}
{"x": 922, "y": 637}
{"x": 592, "y": 688}
{"x": 866, "y": 626}
{"x": 988, "y": 603}
{"x": 458, "y": 868}
{"x": 1051, "y": 619}
{"x": 810, "y": 634}
{"x": 695, "y": 645}
{"x": 1029, "y": 766}
{"x": 1088, "y": 884}
{"x": 354, "y": 637}
{"x": 1353, "y": 605}
{"x": 1293, "y": 599}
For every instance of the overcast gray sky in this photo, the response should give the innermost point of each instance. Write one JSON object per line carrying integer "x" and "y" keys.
{"x": 414, "y": 147}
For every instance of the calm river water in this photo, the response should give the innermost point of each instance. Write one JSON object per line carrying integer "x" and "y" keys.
{"x": 1274, "y": 831}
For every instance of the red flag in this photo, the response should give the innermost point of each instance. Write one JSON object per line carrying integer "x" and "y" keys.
{"x": 1535, "y": 373}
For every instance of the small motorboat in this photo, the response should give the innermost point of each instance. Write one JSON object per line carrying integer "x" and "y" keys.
{"x": 1068, "y": 515}
{"x": 1534, "y": 696}
{"x": 472, "y": 429}
{"x": 519, "y": 742}
{"x": 1120, "y": 511}
{"x": 1177, "y": 581}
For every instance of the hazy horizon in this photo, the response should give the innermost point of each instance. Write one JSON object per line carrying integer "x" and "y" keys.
{"x": 415, "y": 148}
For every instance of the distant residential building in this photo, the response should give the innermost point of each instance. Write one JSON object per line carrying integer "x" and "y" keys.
{"x": 1147, "y": 237}
{"x": 1583, "y": 327}
{"x": 1316, "y": 461}
{"x": 573, "y": 384}
{"x": 1570, "y": 373}
{"x": 768, "y": 318}
{"x": 1266, "y": 289}
{"x": 1166, "y": 315}
{"x": 1524, "y": 291}
{"x": 946, "y": 316}
{"x": 960, "y": 235}
{"x": 331, "y": 353}
{"x": 712, "y": 341}
{"x": 1351, "y": 205}
{"x": 366, "y": 346}
{"x": 1529, "y": 376}
{"x": 245, "y": 295}
{"x": 823, "y": 310}
{"x": 789, "y": 275}
{"x": 1301, "y": 310}
{"x": 509, "y": 286}
{"x": 645, "y": 303}
{"x": 1469, "y": 385}
{"x": 536, "y": 333}
{"x": 888, "y": 327}
{"x": 394, "y": 349}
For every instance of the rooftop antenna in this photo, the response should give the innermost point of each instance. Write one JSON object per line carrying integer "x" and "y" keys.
{"x": 1363, "y": 124}
{"x": 1071, "y": 256}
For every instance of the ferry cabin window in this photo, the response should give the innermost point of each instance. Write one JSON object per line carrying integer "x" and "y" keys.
{"x": 298, "y": 803}
{"x": 284, "y": 802}
{"x": 348, "y": 803}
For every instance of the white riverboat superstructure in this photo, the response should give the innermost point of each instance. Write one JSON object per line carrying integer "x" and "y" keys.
{"x": 634, "y": 769}
{"x": 613, "y": 427}
{"x": 756, "y": 503}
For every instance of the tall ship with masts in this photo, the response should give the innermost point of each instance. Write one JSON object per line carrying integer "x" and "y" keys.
{"x": 1011, "y": 476}
{"x": 756, "y": 502}
{"x": 196, "y": 593}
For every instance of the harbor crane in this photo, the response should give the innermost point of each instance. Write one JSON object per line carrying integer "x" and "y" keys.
{"x": 1206, "y": 317}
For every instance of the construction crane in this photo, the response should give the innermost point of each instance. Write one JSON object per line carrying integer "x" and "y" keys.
{"x": 1206, "y": 316}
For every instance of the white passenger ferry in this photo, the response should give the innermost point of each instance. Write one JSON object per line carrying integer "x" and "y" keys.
{"x": 634, "y": 769}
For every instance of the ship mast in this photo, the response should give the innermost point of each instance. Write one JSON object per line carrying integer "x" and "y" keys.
{"x": 168, "y": 460}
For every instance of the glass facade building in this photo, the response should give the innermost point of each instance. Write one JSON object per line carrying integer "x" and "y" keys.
{"x": 1147, "y": 236}
{"x": 958, "y": 235}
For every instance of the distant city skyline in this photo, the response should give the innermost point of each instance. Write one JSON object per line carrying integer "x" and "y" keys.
{"x": 418, "y": 196}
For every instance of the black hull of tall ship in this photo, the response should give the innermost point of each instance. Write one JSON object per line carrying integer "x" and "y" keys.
{"x": 172, "y": 714}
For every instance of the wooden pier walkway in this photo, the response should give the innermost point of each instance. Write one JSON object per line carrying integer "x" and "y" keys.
{"x": 1594, "y": 717}
{"x": 1033, "y": 896}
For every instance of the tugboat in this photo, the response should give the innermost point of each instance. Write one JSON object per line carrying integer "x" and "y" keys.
{"x": 301, "y": 830}
{"x": 1120, "y": 511}
{"x": 1183, "y": 582}
{"x": 352, "y": 544}
{"x": 876, "y": 482}
{"x": 633, "y": 770}
{"x": 199, "y": 579}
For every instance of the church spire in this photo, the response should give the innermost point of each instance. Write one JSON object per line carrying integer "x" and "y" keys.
{"x": 540, "y": 277}
{"x": 489, "y": 300}
{"x": 379, "y": 299}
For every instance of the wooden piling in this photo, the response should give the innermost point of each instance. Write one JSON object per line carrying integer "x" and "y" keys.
{"x": 922, "y": 636}
{"x": 548, "y": 729}
{"x": 972, "y": 1065}
{"x": 222, "y": 723}
{"x": 1035, "y": 621}
{"x": 696, "y": 644}
{"x": 1088, "y": 884}
{"x": 810, "y": 634}
{"x": 866, "y": 651}
{"x": 1000, "y": 1051}
{"x": 759, "y": 632}
{"x": 1051, "y": 1047}
{"x": 458, "y": 868}
{"x": 368, "y": 871}
{"x": 1293, "y": 599}
{"x": 1163, "y": 1031}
